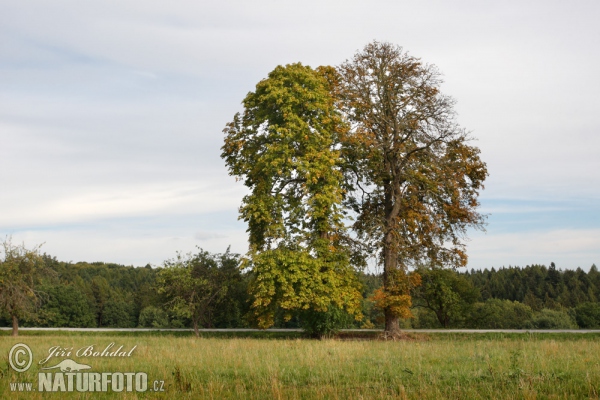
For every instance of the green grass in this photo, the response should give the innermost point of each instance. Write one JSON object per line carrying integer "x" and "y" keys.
{"x": 171, "y": 334}
{"x": 513, "y": 366}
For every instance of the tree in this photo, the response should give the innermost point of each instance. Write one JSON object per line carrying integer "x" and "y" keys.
{"x": 587, "y": 315}
{"x": 66, "y": 306}
{"x": 413, "y": 178}
{"x": 153, "y": 317}
{"x": 100, "y": 290}
{"x": 229, "y": 310}
{"x": 119, "y": 311}
{"x": 20, "y": 273}
{"x": 194, "y": 284}
{"x": 446, "y": 293}
{"x": 285, "y": 148}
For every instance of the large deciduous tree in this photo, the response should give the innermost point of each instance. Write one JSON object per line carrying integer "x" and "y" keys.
{"x": 413, "y": 177}
{"x": 285, "y": 148}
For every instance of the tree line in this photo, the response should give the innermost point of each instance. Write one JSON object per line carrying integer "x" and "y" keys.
{"x": 533, "y": 297}
{"x": 204, "y": 290}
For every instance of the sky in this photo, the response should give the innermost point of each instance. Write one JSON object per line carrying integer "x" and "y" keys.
{"x": 111, "y": 116}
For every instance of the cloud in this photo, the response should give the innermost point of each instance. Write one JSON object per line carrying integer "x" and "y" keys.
{"x": 205, "y": 236}
{"x": 118, "y": 242}
{"x": 568, "y": 248}
{"x": 113, "y": 111}
{"x": 98, "y": 203}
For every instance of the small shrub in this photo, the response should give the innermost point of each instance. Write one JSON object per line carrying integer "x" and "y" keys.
{"x": 552, "y": 319}
{"x": 323, "y": 324}
{"x": 153, "y": 317}
{"x": 501, "y": 314}
{"x": 587, "y": 315}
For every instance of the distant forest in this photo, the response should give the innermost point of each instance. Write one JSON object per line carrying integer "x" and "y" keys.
{"x": 110, "y": 295}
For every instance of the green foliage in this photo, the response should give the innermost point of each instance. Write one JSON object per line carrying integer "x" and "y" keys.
{"x": 325, "y": 323}
{"x": 587, "y": 315}
{"x": 114, "y": 295}
{"x": 552, "y": 319}
{"x": 500, "y": 314}
{"x": 373, "y": 315}
{"x": 118, "y": 312}
{"x": 81, "y": 294}
{"x": 122, "y": 291}
{"x": 153, "y": 317}
{"x": 296, "y": 280}
{"x": 66, "y": 306}
{"x": 538, "y": 286}
{"x": 424, "y": 318}
{"x": 21, "y": 271}
{"x": 449, "y": 295}
{"x": 193, "y": 285}
{"x": 284, "y": 148}
{"x": 230, "y": 309}
{"x": 100, "y": 292}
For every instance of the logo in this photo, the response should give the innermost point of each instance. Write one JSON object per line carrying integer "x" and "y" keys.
{"x": 20, "y": 357}
{"x": 67, "y": 375}
{"x": 69, "y": 366}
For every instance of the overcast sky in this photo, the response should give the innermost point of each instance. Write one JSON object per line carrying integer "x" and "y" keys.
{"x": 111, "y": 116}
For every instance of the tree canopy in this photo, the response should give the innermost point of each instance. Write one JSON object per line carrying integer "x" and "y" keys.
{"x": 20, "y": 272}
{"x": 194, "y": 284}
{"x": 413, "y": 177}
{"x": 284, "y": 148}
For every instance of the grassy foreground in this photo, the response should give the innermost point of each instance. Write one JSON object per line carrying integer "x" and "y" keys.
{"x": 484, "y": 367}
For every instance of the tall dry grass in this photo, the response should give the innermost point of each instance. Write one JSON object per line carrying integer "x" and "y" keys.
{"x": 212, "y": 368}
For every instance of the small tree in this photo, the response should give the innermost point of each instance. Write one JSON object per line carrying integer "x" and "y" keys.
{"x": 448, "y": 294}
{"x": 20, "y": 273}
{"x": 587, "y": 315}
{"x": 193, "y": 284}
{"x": 153, "y": 317}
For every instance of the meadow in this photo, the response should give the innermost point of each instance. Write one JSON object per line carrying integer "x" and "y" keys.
{"x": 432, "y": 366}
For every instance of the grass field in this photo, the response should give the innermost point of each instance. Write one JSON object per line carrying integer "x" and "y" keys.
{"x": 486, "y": 366}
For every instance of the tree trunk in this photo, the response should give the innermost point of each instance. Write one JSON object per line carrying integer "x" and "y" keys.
{"x": 392, "y": 322}
{"x": 390, "y": 262}
{"x": 439, "y": 314}
{"x": 444, "y": 321}
{"x": 15, "y": 326}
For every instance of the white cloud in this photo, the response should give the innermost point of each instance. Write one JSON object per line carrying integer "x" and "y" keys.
{"x": 206, "y": 236}
{"x": 114, "y": 109}
{"x": 568, "y": 248}
{"x": 98, "y": 203}
{"x": 126, "y": 248}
